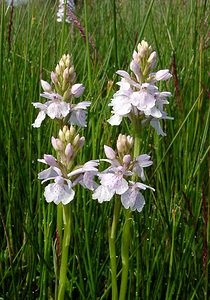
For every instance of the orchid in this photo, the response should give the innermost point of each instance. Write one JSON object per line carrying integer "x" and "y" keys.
{"x": 59, "y": 191}
{"x": 61, "y": 95}
{"x": 56, "y": 108}
{"x": 115, "y": 179}
{"x": 138, "y": 96}
{"x": 66, "y": 145}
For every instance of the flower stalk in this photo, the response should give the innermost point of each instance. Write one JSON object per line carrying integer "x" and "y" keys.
{"x": 112, "y": 249}
{"x": 67, "y": 218}
{"x": 125, "y": 246}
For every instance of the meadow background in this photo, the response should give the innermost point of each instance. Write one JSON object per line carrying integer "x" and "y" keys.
{"x": 170, "y": 238}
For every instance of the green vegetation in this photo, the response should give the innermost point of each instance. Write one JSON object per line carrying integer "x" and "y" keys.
{"x": 170, "y": 238}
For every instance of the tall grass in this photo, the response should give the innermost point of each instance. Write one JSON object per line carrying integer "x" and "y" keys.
{"x": 170, "y": 238}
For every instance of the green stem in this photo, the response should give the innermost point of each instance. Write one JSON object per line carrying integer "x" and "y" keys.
{"x": 65, "y": 249}
{"x": 112, "y": 249}
{"x": 59, "y": 221}
{"x": 125, "y": 255}
{"x": 126, "y": 231}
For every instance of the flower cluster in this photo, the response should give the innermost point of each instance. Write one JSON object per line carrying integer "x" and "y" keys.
{"x": 60, "y": 95}
{"x": 138, "y": 96}
{"x": 62, "y": 170}
{"x": 65, "y": 7}
{"x": 115, "y": 179}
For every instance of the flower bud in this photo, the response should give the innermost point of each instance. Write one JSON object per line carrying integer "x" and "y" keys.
{"x": 54, "y": 77}
{"x": 57, "y": 144}
{"x": 81, "y": 142}
{"x": 66, "y": 74}
{"x": 110, "y": 153}
{"x": 135, "y": 56}
{"x": 62, "y": 65}
{"x": 61, "y": 135}
{"x": 68, "y": 61}
{"x": 121, "y": 143}
{"x": 76, "y": 140}
{"x": 69, "y": 151}
{"x": 162, "y": 75}
{"x": 127, "y": 159}
{"x": 130, "y": 141}
{"x": 72, "y": 131}
{"x": 152, "y": 59}
{"x": 77, "y": 89}
{"x": 46, "y": 86}
{"x": 65, "y": 128}
{"x": 71, "y": 70}
{"x": 134, "y": 66}
{"x": 143, "y": 48}
{"x": 73, "y": 77}
{"x": 63, "y": 57}
{"x": 50, "y": 160}
{"x": 57, "y": 70}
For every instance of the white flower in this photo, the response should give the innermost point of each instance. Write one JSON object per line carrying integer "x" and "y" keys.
{"x": 141, "y": 162}
{"x": 41, "y": 115}
{"x": 86, "y": 174}
{"x": 157, "y": 113}
{"x": 113, "y": 180}
{"x": 138, "y": 96}
{"x": 103, "y": 193}
{"x": 78, "y": 114}
{"x": 128, "y": 79}
{"x": 133, "y": 198}
{"x": 121, "y": 103}
{"x": 144, "y": 99}
{"x": 59, "y": 191}
{"x": 55, "y": 108}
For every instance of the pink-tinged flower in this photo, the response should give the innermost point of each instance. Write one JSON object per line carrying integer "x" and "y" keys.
{"x": 133, "y": 198}
{"x": 152, "y": 59}
{"x": 141, "y": 162}
{"x": 55, "y": 108}
{"x": 85, "y": 174}
{"x": 78, "y": 114}
{"x": 163, "y": 75}
{"x": 112, "y": 182}
{"x": 41, "y": 115}
{"x": 61, "y": 190}
{"x": 77, "y": 90}
{"x": 46, "y": 86}
{"x": 115, "y": 179}
{"x": 128, "y": 79}
{"x": 144, "y": 99}
{"x": 110, "y": 153}
{"x": 135, "y": 68}
{"x": 103, "y": 193}
{"x": 121, "y": 104}
{"x": 138, "y": 96}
